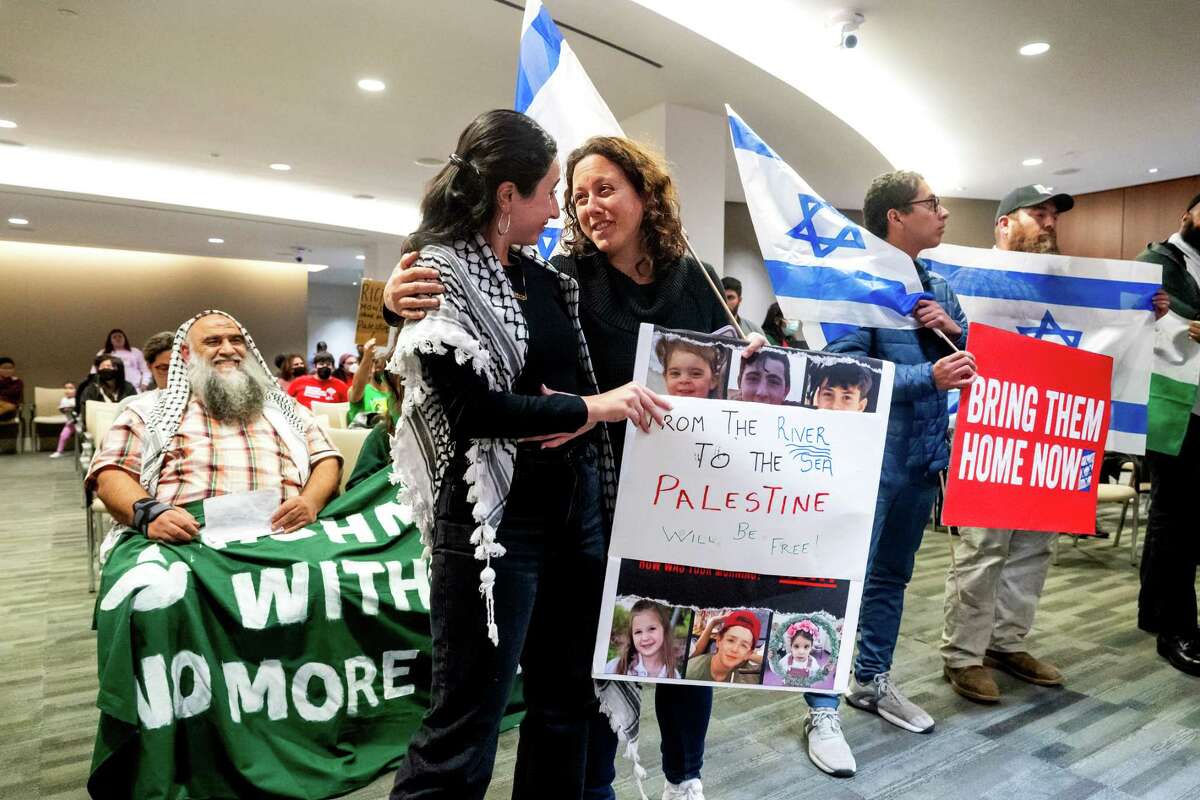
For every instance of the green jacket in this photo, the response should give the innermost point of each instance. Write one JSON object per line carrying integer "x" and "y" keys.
{"x": 1182, "y": 287}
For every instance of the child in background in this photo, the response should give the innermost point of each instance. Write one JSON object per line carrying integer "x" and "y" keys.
{"x": 66, "y": 407}
{"x": 650, "y": 647}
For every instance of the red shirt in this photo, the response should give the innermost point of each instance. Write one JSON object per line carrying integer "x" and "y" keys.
{"x": 308, "y": 388}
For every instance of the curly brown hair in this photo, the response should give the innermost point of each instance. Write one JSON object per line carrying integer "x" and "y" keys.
{"x": 662, "y": 228}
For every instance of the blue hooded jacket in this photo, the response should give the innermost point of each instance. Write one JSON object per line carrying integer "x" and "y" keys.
{"x": 916, "y": 437}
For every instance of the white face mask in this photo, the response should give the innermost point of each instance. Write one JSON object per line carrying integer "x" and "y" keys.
{"x": 351, "y": 369}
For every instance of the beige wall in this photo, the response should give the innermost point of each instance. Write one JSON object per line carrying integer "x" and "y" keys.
{"x": 971, "y": 222}
{"x": 1119, "y": 223}
{"x": 58, "y": 303}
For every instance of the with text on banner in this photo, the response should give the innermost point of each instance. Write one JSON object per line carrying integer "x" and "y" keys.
{"x": 1030, "y": 436}
{"x": 765, "y": 472}
{"x": 370, "y": 323}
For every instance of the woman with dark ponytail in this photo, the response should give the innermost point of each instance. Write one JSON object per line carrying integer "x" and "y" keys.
{"x": 508, "y": 477}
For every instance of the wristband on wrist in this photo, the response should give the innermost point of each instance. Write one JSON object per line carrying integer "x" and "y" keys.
{"x": 146, "y": 511}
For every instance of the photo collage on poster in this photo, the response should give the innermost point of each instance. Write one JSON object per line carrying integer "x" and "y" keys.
{"x": 672, "y": 622}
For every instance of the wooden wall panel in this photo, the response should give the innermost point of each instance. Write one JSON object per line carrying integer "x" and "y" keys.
{"x": 1152, "y": 212}
{"x": 1093, "y": 227}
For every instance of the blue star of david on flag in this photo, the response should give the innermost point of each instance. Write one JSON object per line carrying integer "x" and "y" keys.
{"x": 806, "y": 231}
{"x": 1050, "y": 327}
{"x": 1086, "y": 467}
{"x": 548, "y": 240}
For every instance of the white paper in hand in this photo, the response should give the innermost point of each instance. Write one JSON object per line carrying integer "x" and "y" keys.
{"x": 242, "y": 517}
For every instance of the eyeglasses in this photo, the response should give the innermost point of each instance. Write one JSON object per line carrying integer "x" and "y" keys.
{"x": 933, "y": 202}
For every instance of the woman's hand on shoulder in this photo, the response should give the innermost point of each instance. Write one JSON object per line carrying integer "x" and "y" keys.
{"x": 412, "y": 289}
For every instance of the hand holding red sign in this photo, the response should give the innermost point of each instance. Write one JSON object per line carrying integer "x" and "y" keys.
{"x": 1031, "y": 429}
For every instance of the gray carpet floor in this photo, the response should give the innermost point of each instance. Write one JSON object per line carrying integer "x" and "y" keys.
{"x": 1125, "y": 725}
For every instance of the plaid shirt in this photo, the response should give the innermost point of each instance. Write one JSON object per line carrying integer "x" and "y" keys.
{"x": 207, "y": 457}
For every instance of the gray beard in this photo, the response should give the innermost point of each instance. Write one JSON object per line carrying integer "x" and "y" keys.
{"x": 238, "y": 396}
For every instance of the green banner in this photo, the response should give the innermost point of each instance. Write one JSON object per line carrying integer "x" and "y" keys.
{"x": 293, "y": 666}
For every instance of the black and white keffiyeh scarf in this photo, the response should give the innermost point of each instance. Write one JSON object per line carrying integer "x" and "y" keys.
{"x": 481, "y": 320}
{"x": 161, "y": 413}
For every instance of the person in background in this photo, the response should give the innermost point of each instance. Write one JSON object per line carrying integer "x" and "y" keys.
{"x": 733, "y": 299}
{"x": 66, "y": 407}
{"x": 376, "y": 453}
{"x": 1167, "y": 600}
{"x": 157, "y": 350}
{"x": 12, "y": 389}
{"x": 346, "y": 368}
{"x": 901, "y": 208}
{"x": 321, "y": 386}
{"x": 106, "y": 385}
{"x": 293, "y": 367}
{"x": 136, "y": 371}
{"x": 322, "y": 347}
{"x": 370, "y": 392}
{"x": 780, "y": 331}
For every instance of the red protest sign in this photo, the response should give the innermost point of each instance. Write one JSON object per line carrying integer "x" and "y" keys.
{"x": 1029, "y": 438}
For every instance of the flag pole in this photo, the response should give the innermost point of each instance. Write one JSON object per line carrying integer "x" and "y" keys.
{"x": 720, "y": 294}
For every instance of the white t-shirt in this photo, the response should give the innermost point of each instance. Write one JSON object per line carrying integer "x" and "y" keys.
{"x": 637, "y": 669}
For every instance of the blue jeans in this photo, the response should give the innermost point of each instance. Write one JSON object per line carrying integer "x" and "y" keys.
{"x": 547, "y": 597}
{"x": 683, "y": 713}
{"x": 901, "y": 513}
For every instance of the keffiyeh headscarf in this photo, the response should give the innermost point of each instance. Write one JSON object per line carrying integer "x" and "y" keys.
{"x": 481, "y": 320}
{"x": 163, "y": 421}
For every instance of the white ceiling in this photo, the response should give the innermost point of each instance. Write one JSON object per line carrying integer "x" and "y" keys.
{"x": 152, "y": 90}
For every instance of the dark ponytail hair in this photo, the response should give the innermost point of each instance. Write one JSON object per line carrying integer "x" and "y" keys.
{"x": 497, "y": 146}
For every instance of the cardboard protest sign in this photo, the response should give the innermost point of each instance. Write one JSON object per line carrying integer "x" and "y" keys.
{"x": 764, "y": 472}
{"x": 291, "y": 666}
{"x": 370, "y": 323}
{"x": 1030, "y": 433}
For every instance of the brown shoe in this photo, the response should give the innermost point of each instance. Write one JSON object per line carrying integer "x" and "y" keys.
{"x": 1025, "y": 667}
{"x": 973, "y": 682}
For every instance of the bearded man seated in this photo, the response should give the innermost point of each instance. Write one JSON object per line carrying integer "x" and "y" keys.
{"x": 221, "y": 426}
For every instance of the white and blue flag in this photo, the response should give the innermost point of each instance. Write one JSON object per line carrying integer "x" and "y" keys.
{"x": 553, "y": 88}
{"x": 1096, "y": 304}
{"x": 823, "y": 266}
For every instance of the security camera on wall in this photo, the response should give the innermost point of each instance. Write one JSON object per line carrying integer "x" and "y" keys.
{"x": 843, "y": 26}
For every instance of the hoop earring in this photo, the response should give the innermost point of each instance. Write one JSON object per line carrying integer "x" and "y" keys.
{"x": 506, "y": 228}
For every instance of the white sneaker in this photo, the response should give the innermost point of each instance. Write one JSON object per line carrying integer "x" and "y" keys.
{"x": 56, "y": 455}
{"x": 883, "y": 698}
{"x": 827, "y": 746}
{"x": 688, "y": 790}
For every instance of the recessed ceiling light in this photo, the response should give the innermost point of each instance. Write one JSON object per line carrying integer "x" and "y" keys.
{"x": 354, "y": 284}
{"x": 17, "y": 221}
{"x": 317, "y": 267}
{"x": 364, "y": 197}
{"x": 11, "y": 143}
{"x": 215, "y": 240}
{"x": 1031, "y": 162}
{"x": 7, "y": 123}
{"x": 279, "y": 166}
{"x": 7, "y": 81}
{"x": 960, "y": 188}
{"x": 68, "y": 12}
{"x": 372, "y": 85}
{"x": 429, "y": 162}
{"x": 361, "y": 257}
{"x": 1152, "y": 170}
{"x": 1034, "y": 48}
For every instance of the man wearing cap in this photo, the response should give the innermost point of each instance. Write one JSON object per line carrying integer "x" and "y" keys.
{"x": 997, "y": 574}
{"x": 1167, "y": 601}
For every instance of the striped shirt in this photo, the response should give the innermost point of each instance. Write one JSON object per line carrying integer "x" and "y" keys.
{"x": 208, "y": 457}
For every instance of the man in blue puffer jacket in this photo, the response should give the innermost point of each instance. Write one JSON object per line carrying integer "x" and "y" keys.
{"x": 900, "y": 208}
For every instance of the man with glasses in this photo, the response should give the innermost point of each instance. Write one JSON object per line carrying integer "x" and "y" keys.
{"x": 900, "y": 208}
{"x": 157, "y": 350}
{"x": 997, "y": 574}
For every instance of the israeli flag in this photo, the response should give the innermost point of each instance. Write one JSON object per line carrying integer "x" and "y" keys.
{"x": 823, "y": 266}
{"x": 553, "y": 89}
{"x": 1097, "y": 304}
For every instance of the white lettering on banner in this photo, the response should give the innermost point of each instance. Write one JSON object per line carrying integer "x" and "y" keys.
{"x": 355, "y": 525}
{"x": 392, "y": 670}
{"x": 200, "y": 698}
{"x": 291, "y": 603}
{"x": 366, "y": 572}
{"x": 1055, "y": 466}
{"x": 333, "y": 590}
{"x": 154, "y": 702}
{"x": 401, "y": 586}
{"x": 294, "y": 536}
{"x": 269, "y": 688}
{"x": 393, "y": 517}
{"x": 1002, "y": 404}
{"x": 334, "y": 693}
{"x": 356, "y": 685}
{"x": 1073, "y": 416}
{"x": 994, "y": 459}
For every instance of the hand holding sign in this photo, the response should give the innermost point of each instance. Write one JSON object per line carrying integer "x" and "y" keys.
{"x": 955, "y": 371}
{"x": 931, "y": 315}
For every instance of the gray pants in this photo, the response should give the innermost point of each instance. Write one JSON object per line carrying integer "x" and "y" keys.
{"x": 991, "y": 605}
